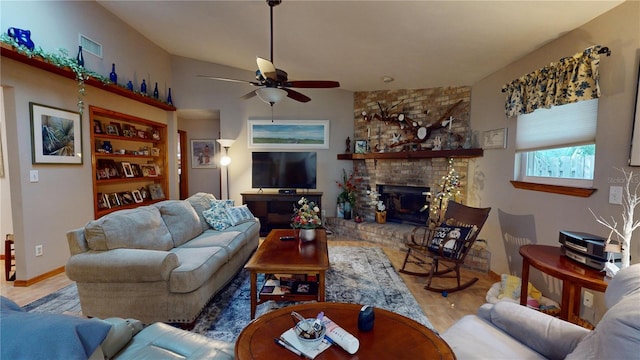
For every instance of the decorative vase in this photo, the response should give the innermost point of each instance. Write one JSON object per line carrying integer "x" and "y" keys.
{"x": 346, "y": 209}
{"x": 381, "y": 217}
{"x": 143, "y": 87}
{"x": 113, "y": 76}
{"x": 169, "y": 98}
{"x": 307, "y": 234}
{"x": 156, "y": 94}
{"x": 106, "y": 146}
{"x": 129, "y": 85}
{"x": 80, "y": 57}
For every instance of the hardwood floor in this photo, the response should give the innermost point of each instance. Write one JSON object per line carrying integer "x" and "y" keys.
{"x": 441, "y": 311}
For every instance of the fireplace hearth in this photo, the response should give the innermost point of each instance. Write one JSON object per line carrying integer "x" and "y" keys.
{"x": 405, "y": 204}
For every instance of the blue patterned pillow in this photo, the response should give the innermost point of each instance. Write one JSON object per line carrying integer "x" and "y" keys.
{"x": 216, "y": 216}
{"x": 239, "y": 214}
{"x": 449, "y": 234}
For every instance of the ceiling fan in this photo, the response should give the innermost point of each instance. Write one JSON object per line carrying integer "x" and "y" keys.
{"x": 274, "y": 83}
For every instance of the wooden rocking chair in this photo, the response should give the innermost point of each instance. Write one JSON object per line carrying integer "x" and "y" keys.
{"x": 446, "y": 245}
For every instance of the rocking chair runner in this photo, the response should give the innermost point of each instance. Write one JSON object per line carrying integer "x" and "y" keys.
{"x": 446, "y": 245}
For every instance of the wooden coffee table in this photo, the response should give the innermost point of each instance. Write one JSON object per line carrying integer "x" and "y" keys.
{"x": 393, "y": 336}
{"x": 275, "y": 256}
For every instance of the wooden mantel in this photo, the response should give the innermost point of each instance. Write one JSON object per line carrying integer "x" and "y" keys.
{"x": 422, "y": 154}
{"x": 38, "y": 62}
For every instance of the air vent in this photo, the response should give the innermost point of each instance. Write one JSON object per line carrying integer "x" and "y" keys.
{"x": 90, "y": 46}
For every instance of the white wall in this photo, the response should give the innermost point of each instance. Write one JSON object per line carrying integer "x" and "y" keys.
{"x": 62, "y": 199}
{"x": 618, "y": 29}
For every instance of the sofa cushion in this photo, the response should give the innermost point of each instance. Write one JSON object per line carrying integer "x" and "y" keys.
{"x": 230, "y": 241}
{"x": 197, "y": 265}
{"x": 201, "y": 202}
{"x": 181, "y": 220}
{"x": 216, "y": 216}
{"x": 26, "y": 335}
{"x": 139, "y": 228}
{"x": 239, "y": 214}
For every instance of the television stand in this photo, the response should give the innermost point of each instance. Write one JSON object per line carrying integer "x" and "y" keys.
{"x": 275, "y": 210}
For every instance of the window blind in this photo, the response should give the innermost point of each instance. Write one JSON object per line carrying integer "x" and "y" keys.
{"x": 560, "y": 126}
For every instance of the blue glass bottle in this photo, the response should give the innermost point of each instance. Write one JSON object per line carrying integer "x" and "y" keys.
{"x": 80, "y": 57}
{"x": 169, "y": 100}
{"x": 156, "y": 94}
{"x": 106, "y": 145}
{"x": 143, "y": 87}
{"x": 113, "y": 76}
{"x": 130, "y": 85}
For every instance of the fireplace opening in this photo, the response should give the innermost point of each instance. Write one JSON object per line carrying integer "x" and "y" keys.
{"x": 405, "y": 204}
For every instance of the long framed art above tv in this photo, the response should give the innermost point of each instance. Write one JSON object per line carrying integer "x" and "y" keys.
{"x": 288, "y": 134}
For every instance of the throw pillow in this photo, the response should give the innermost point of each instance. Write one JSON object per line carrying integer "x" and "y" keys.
{"x": 239, "y": 214}
{"x": 511, "y": 288}
{"x": 217, "y": 216}
{"x": 450, "y": 235}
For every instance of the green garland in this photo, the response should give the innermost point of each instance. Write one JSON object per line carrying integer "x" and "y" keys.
{"x": 62, "y": 60}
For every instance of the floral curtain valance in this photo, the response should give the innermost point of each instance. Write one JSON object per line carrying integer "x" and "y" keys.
{"x": 569, "y": 80}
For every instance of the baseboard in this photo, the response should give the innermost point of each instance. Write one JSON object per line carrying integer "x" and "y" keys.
{"x": 25, "y": 283}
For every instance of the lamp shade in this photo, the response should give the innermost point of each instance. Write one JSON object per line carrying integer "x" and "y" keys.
{"x": 225, "y": 143}
{"x": 271, "y": 95}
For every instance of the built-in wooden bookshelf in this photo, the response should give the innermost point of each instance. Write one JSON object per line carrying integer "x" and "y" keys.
{"x": 133, "y": 172}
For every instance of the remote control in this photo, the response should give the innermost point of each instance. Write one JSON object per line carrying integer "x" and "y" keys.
{"x": 286, "y": 238}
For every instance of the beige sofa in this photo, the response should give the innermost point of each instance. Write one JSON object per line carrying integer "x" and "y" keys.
{"x": 156, "y": 263}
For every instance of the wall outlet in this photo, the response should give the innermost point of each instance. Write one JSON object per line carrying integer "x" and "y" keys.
{"x": 39, "y": 250}
{"x": 615, "y": 195}
{"x": 587, "y": 300}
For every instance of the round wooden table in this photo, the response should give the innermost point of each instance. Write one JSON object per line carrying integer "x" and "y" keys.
{"x": 393, "y": 336}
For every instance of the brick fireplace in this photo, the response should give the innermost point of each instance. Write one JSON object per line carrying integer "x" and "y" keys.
{"x": 423, "y": 107}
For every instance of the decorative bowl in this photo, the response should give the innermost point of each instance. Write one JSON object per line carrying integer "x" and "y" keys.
{"x": 307, "y": 336}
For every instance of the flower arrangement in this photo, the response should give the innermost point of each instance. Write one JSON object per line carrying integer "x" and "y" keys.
{"x": 349, "y": 188}
{"x": 375, "y": 201}
{"x": 305, "y": 216}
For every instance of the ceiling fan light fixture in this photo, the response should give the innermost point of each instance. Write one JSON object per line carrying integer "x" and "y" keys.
{"x": 271, "y": 95}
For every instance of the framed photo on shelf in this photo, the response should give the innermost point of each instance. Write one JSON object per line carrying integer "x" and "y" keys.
{"x": 117, "y": 127}
{"x": 149, "y": 170}
{"x": 137, "y": 196}
{"x": 103, "y": 201}
{"x": 495, "y": 139}
{"x": 144, "y": 192}
{"x": 97, "y": 127}
{"x": 155, "y": 151}
{"x": 56, "y": 135}
{"x": 203, "y": 154}
{"x": 113, "y": 200}
{"x": 128, "y": 171}
{"x": 289, "y": 134}
{"x": 156, "y": 192}
{"x": 361, "y": 147}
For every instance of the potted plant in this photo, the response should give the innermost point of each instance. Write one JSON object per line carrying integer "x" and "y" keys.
{"x": 348, "y": 195}
{"x": 379, "y": 206}
{"x": 305, "y": 219}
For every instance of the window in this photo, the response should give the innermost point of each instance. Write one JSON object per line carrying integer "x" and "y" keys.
{"x": 557, "y": 146}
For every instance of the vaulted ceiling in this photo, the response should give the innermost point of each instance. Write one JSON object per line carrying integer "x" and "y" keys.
{"x": 421, "y": 44}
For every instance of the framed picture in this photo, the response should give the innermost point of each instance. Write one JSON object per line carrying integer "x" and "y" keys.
{"x": 634, "y": 158}
{"x": 361, "y": 147}
{"x": 155, "y": 152}
{"x": 97, "y": 127}
{"x": 113, "y": 200}
{"x": 103, "y": 201}
{"x": 495, "y": 139}
{"x": 149, "y": 170}
{"x": 144, "y": 192}
{"x": 203, "y": 154}
{"x": 289, "y": 134}
{"x": 156, "y": 192}
{"x": 128, "y": 171}
{"x": 137, "y": 196}
{"x": 56, "y": 135}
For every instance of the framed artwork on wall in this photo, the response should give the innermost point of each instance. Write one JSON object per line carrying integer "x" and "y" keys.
{"x": 634, "y": 158}
{"x": 289, "y": 134}
{"x": 495, "y": 139}
{"x": 56, "y": 135}
{"x": 203, "y": 154}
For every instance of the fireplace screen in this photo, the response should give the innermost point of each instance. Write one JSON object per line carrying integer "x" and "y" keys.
{"x": 405, "y": 204}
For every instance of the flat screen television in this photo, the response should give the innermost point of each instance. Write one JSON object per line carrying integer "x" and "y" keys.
{"x": 284, "y": 170}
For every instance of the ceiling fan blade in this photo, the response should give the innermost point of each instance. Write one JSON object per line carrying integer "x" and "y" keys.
{"x": 312, "y": 84}
{"x": 230, "y": 80}
{"x": 267, "y": 68}
{"x": 297, "y": 96}
{"x": 248, "y": 95}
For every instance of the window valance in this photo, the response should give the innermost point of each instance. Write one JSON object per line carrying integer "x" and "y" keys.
{"x": 569, "y": 80}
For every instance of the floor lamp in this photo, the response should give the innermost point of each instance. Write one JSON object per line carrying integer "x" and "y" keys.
{"x": 225, "y": 160}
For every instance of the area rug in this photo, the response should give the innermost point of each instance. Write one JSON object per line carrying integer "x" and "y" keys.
{"x": 357, "y": 275}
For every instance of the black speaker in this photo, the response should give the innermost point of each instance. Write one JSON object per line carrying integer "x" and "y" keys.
{"x": 365, "y": 318}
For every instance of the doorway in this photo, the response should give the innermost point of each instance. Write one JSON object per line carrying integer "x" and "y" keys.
{"x": 183, "y": 169}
